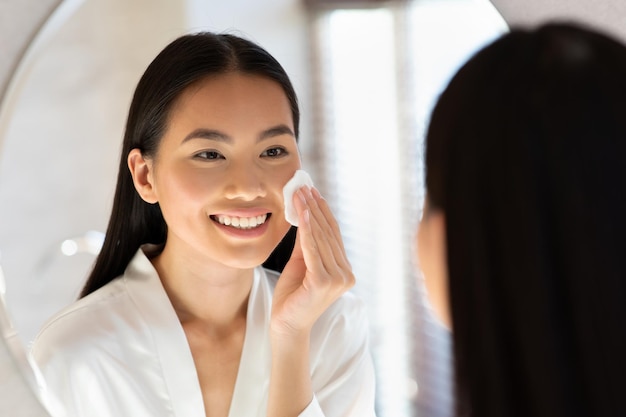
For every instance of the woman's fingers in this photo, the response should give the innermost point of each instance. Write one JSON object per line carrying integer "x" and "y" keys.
{"x": 328, "y": 227}
{"x": 323, "y": 249}
{"x": 308, "y": 242}
{"x": 317, "y": 273}
{"x": 332, "y": 222}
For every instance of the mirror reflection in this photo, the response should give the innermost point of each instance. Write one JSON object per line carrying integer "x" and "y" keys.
{"x": 63, "y": 141}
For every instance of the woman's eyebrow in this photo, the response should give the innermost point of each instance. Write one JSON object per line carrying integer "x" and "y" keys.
{"x": 216, "y": 135}
{"x": 276, "y": 131}
{"x": 210, "y": 134}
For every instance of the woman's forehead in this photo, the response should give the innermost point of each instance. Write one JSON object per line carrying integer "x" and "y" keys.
{"x": 224, "y": 95}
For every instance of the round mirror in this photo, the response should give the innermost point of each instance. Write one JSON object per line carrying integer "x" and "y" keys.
{"x": 63, "y": 121}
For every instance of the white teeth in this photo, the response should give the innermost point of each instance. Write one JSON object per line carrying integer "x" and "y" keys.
{"x": 242, "y": 222}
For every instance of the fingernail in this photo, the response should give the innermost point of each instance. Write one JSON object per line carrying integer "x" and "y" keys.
{"x": 306, "y": 216}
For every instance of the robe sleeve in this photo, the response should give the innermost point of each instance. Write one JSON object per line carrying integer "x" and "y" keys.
{"x": 312, "y": 410}
{"x": 342, "y": 369}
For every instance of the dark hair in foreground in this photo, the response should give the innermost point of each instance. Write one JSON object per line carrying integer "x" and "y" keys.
{"x": 185, "y": 61}
{"x": 526, "y": 156}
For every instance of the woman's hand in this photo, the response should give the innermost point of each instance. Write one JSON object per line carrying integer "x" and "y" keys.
{"x": 317, "y": 273}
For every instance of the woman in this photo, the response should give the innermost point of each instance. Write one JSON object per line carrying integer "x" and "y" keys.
{"x": 522, "y": 237}
{"x": 178, "y": 318}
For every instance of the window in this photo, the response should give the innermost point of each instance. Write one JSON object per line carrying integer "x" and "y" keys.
{"x": 380, "y": 67}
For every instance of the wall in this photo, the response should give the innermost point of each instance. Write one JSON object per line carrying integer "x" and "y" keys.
{"x": 607, "y": 15}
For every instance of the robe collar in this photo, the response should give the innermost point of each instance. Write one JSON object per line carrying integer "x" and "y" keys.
{"x": 174, "y": 354}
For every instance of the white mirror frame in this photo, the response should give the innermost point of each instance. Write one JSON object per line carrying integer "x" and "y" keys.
{"x": 22, "y": 391}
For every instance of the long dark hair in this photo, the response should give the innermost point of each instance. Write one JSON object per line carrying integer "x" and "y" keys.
{"x": 526, "y": 156}
{"x": 183, "y": 62}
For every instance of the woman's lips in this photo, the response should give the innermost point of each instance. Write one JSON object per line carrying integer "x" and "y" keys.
{"x": 248, "y": 222}
{"x": 242, "y": 226}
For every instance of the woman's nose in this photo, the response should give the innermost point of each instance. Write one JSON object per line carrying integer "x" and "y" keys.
{"x": 245, "y": 182}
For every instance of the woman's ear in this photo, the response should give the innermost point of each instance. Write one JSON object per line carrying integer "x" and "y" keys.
{"x": 141, "y": 169}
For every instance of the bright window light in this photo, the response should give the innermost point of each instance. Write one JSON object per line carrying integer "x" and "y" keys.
{"x": 363, "y": 149}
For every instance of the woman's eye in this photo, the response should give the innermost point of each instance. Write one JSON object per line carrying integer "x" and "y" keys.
{"x": 210, "y": 155}
{"x": 275, "y": 152}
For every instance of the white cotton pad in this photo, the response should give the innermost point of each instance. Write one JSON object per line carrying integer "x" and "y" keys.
{"x": 299, "y": 179}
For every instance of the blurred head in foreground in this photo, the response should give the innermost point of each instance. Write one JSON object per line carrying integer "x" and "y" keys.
{"x": 522, "y": 236}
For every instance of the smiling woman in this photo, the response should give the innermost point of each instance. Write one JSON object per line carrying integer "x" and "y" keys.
{"x": 240, "y": 153}
{"x": 210, "y": 143}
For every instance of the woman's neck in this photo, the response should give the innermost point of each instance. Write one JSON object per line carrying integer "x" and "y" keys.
{"x": 203, "y": 290}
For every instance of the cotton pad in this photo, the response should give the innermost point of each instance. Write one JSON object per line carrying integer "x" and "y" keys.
{"x": 299, "y": 179}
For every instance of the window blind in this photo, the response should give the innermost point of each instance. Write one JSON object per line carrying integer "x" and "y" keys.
{"x": 378, "y": 68}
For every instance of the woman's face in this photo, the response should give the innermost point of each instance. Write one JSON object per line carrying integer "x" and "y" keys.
{"x": 431, "y": 253}
{"x": 218, "y": 174}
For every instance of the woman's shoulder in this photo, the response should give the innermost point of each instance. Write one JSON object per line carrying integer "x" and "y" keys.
{"x": 347, "y": 315}
{"x": 84, "y": 319}
{"x": 99, "y": 313}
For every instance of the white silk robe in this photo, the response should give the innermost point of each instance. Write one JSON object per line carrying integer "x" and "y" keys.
{"x": 121, "y": 351}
